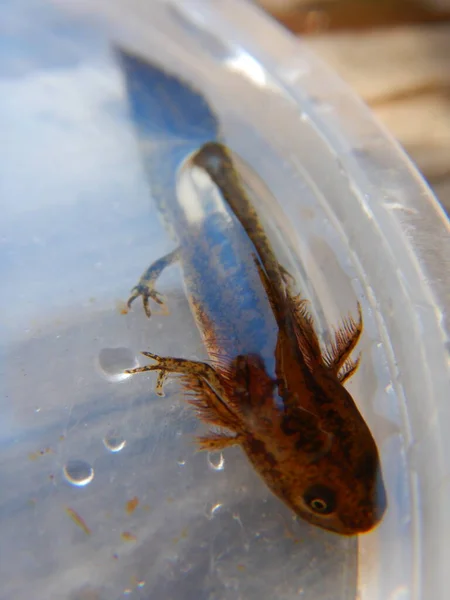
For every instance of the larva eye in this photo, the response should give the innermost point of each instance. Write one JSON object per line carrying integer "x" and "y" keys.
{"x": 321, "y": 499}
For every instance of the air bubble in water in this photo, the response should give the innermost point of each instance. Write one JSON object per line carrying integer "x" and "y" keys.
{"x": 216, "y": 461}
{"x": 214, "y": 510}
{"x": 113, "y": 362}
{"x": 78, "y": 472}
{"x": 114, "y": 442}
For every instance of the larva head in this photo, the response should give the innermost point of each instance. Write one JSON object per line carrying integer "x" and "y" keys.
{"x": 324, "y": 466}
{"x": 345, "y": 499}
{"x": 328, "y": 491}
{"x": 344, "y": 489}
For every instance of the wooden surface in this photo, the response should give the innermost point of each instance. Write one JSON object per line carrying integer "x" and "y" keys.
{"x": 401, "y": 69}
{"x": 404, "y": 75}
{"x": 304, "y": 16}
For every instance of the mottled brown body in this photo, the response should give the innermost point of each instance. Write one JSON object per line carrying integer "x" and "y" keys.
{"x": 301, "y": 429}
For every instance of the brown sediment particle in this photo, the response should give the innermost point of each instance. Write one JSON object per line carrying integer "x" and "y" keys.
{"x": 78, "y": 520}
{"x": 131, "y": 505}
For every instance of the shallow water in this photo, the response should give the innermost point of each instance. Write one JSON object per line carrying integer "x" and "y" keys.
{"x": 77, "y": 229}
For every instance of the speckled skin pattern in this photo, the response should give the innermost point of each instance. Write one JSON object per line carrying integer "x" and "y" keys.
{"x": 278, "y": 394}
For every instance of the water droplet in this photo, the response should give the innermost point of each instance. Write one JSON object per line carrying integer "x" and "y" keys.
{"x": 114, "y": 442}
{"x": 38, "y": 409}
{"x": 400, "y": 593}
{"x": 216, "y": 461}
{"x": 127, "y": 592}
{"x": 181, "y": 462}
{"x": 237, "y": 518}
{"x": 389, "y": 388}
{"x": 112, "y": 363}
{"x": 78, "y": 472}
{"x": 214, "y": 510}
{"x": 141, "y": 584}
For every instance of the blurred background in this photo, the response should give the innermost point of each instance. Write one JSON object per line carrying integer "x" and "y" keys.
{"x": 396, "y": 55}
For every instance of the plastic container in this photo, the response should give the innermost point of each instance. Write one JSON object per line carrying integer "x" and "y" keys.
{"x": 102, "y": 494}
